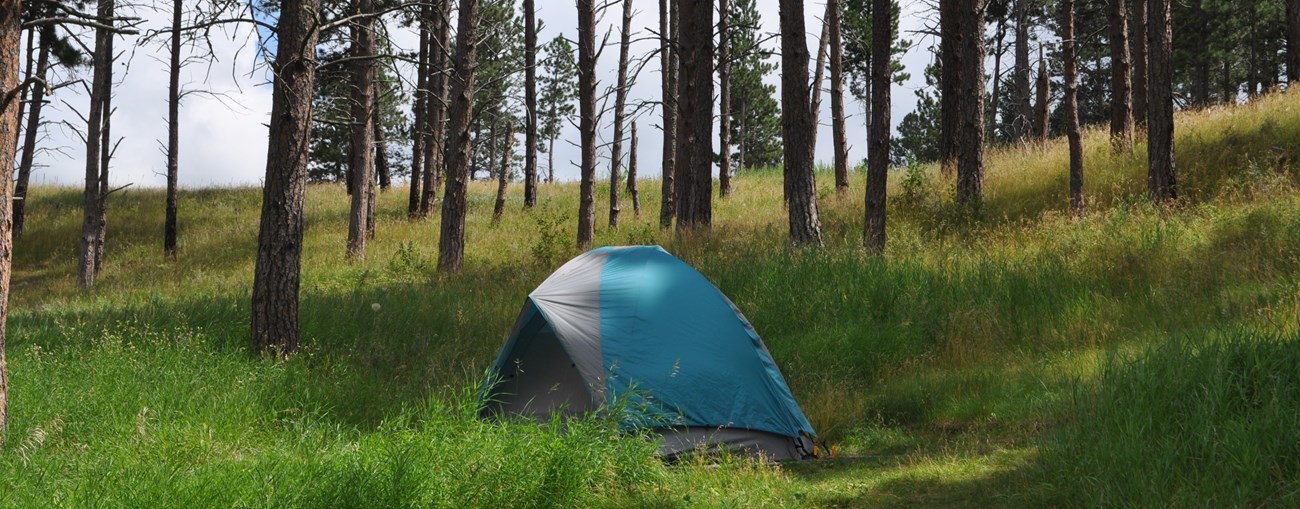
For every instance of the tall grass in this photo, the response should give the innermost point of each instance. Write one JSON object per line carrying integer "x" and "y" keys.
{"x": 945, "y": 366}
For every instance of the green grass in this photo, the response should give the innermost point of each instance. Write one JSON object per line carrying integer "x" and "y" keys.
{"x": 1140, "y": 356}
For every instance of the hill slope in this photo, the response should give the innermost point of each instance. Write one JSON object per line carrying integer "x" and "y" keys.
{"x": 983, "y": 361}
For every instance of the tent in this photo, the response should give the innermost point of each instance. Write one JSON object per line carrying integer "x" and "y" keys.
{"x": 639, "y": 328}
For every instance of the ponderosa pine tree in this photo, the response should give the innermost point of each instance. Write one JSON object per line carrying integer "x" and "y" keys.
{"x": 1121, "y": 89}
{"x": 362, "y": 154}
{"x": 1138, "y": 38}
{"x": 631, "y": 175}
{"x": 503, "y": 175}
{"x": 1071, "y": 103}
{"x": 839, "y": 138}
{"x": 755, "y": 114}
{"x": 693, "y": 181}
{"x": 1042, "y": 121}
{"x": 420, "y": 127}
{"x": 451, "y": 243}
{"x": 279, "y": 240}
{"x": 530, "y": 104}
{"x": 89, "y": 253}
{"x": 724, "y": 98}
{"x": 1022, "y": 87}
{"x": 587, "y": 122}
{"x": 962, "y": 24}
{"x": 882, "y": 36}
{"x": 437, "y": 105}
{"x": 797, "y": 125}
{"x": 668, "y": 63}
{"x": 10, "y": 44}
{"x": 1161, "y": 177}
{"x": 559, "y": 90}
{"x": 1293, "y": 40}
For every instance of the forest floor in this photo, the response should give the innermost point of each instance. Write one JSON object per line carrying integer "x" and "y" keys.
{"x": 1139, "y": 356}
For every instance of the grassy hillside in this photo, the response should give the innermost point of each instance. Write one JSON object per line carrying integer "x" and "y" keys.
{"x": 1019, "y": 358}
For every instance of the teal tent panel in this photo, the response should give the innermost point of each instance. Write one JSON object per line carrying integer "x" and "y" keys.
{"x": 686, "y": 356}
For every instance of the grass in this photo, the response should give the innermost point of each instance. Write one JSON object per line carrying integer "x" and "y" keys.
{"x": 1140, "y": 356}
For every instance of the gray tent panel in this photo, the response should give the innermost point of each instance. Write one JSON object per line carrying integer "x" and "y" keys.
{"x": 570, "y": 302}
{"x": 540, "y": 378}
{"x": 679, "y": 442}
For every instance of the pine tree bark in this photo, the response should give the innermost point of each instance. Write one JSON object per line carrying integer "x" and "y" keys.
{"x": 819, "y": 77}
{"x": 530, "y": 104}
{"x": 631, "y": 175}
{"x": 878, "y": 156}
{"x": 1042, "y": 126}
{"x": 451, "y": 243}
{"x": 362, "y": 151}
{"x": 1138, "y": 38}
{"x": 668, "y": 65}
{"x": 948, "y": 83}
{"x": 797, "y": 126}
{"x": 1069, "y": 47}
{"x": 839, "y": 138}
{"x": 694, "y": 179}
{"x": 1121, "y": 86}
{"x": 1293, "y": 40}
{"x": 279, "y": 239}
{"x": 1023, "y": 123}
{"x": 995, "y": 98}
{"x": 105, "y": 157}
{"x": 419, "y": 127}
{"x": 436, "y": 149}
{"x": 1161, "y": 176}
{"x": 10, "y": 111}
{"x": 33, "y": 129}
{"x": 620, "y": 103}
{"x": 87, "y": 253}
{"x": 964, "y": 71}
{"x": 587, "y": 122}
{"x": 724, "y": 101}
{"x": 503, "y": 176}
{"x": 173, "y": 132}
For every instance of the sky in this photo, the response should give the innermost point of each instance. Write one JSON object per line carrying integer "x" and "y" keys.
{"x": 223, "y": 133}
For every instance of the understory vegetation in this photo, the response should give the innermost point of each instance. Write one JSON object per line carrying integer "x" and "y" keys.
{"x": 1140, "y": 356}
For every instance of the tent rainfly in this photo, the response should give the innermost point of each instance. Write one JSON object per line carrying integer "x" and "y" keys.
{"x": 637, "y": 324}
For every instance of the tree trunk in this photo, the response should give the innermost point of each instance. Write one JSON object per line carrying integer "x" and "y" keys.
{"x": 694, "y": 179}
{"x": 503, "y": 176}
{"x": 419, "y": 127}
{"x": 1121, "y": 85}
{"x": 362, "y": 150}
{"x": 631, "y": 175}
{"x": 996, "y": 97}
{"x": 873, "y": 236}
{"x": 451, "y": 243}
{"x": 173, "y": 131}
{"x": 838, "y": 136}
{"x": 105, "y": 157}
{"x": 382, "y": 169}
{"x": 1069, "y": 48}
{"x": 964, "y": 71}
{"x": 100, "y": 90}
{"x": 797, "y": 126}
{"x": 1293, "y": 40}
{"x": 10, "y": 111}
{"x": 33, "y": 130}
{"x": 1138, "y": 38}
{"x": 724, "y": 101}
{"x": 530, "y": 105}
{"x": 1023, "y": 123}
{"x": 435, "y": 147}
{"x": 1042, "y": 115}
{"x": 819, "y": 77}
{"x": 668, "y": 67}
{"x": 550, "y": 162}
{"x": 620, "y": 102}
{"x": 948, "y": 81}
{"x": 1161, "y": 176}
{"x": 279, "y": 239}
{"x": 25, "y": 85}
{"x": 587, "y": 121}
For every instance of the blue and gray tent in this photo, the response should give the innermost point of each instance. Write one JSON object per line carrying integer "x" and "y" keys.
{"x": 637, "y": 325}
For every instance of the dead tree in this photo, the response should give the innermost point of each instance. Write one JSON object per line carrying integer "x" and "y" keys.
{"x": 503, "y": 176}
{"x": 878, "y": 157}
{"x": 173, "y": 131}
{"x": 451, "y": 244}
{"x": 88, "y": 253}
{"x": 620, "y": 104}
{"x": 1022, "y": 124}
{"x": 1042, "y": 114}
{"x": 383, "y": 171}
{"x": 1138, "y": 36}
{"x": 631, "y": 175}
{"x": 279, "y": 239}
{"x": 819, "y": 75}
{"x": 530, "y": 104}
{"x": 668, "y": 69}
{"x": 39, "y": 88}
{"x": 419, "y": 127}
{"x": 436, "y": 149}
{"x": 797, "y": 127}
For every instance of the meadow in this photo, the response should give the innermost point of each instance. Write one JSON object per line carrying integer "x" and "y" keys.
{"x": 1016, "y": 357}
